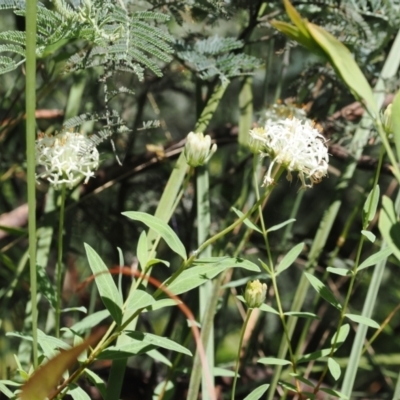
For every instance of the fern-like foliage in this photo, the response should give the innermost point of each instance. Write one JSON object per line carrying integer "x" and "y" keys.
{"x": 117, "y": 39}
{"x": 216, "y": 56}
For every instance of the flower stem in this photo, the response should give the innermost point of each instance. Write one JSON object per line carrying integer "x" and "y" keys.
{"x": 59, "y": 259}
{"x": 243, "y": 331}
{"x": 31, "y": 164}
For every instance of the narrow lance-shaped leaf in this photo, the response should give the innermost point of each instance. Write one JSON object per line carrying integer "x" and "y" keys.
{"x": 289, "y": 258}
{"x": 323, "y": 291}
{"x": 370, "y": 205}
{"x": 395, "y": 122}
{"x": 162, "y": 228}
{"x": 389, "y": 225}
{"x": 375, "y": 258}
{"x": 109, "y": 294}
{"x": 363, "y": 320}
{"x": 344, "y": 64}
{"x": 258, "y": 392}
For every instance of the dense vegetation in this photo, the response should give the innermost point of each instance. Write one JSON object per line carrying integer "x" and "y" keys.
{"x": 126, "y": 82}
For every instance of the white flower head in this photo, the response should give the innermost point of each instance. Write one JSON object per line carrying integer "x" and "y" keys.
{"x": 198, "y": 149}
{"x": 296, "y": 145}
{"x": 255, "y": 293}
{"x": 67, "y": 158}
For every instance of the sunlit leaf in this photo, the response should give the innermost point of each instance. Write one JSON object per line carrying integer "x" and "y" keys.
{"x": 258, "y": 392}
{"x": 334, "y": 368}
{"x": 363, "y": 320}
{"x": 109, "y": 293}
{"x": 289, "y": 258}
{"x": 162, "y": 228}
{"x": 369, "y": 209}
{"x": 375, "y": 258}
{"x": 323, "y": 291}
{"x": 273, "y": 361}
{"x": 389, "y": 225}
{"x": 247, "y": 222}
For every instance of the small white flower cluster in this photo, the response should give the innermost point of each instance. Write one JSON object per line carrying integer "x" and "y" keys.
{"x": 67, "y": 158}
{"x": 296, "y": 145}
{"x": 198, "y": 149}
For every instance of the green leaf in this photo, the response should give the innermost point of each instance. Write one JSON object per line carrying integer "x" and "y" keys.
{"x": 136, "y": 300}
{"x": 389, "y": 226}
{"x": 258, "y": 392}
{"x": 299, "y": 32}
{"x": 323, "y": 291}
{"x": 344, "y": 64}
{"x": 158, "y": 341}
{"x": 89, "y": 322}
{"x": 50, "y": 344}
{"x": 342, "y": 335}
{"x": 217, "y": 371}
{"x": 162, "y": 228}
{"x": 339, "y": 271}
{"x": 334, "y": 368}
{"x": 289, "y": 258}
{"x": 370, "y": 205}
{"x": 315, "y": 355}
{"x": 363, "y": 320}
{"x": 247, "y": 222}
{"x": 109, "y": 293}
{"x": 273, "y": 361}
{"x": 206, "y": 269}
{"x": 162, "y": 303}
{"x": 5, "y": 390}
{"x": 334, "y": 393}
{"x": 141, "y": 250}
{"x": 78, "y": 393}
{"x": 97, "y": 381}
{"x": 156, "y": 355}
{"x": 281, "y": 225}
{"x": 396, "y": 122}
{"x": 302, "y": 314}
{"x": 45, "y": 287}
{"x": 125, "y": 351}
{"x": 302, "y": 379}
{"x": 375, "y": 258}
{"x": 141, "y": 343}
{"x": 75, "y": 309}
{"x": 266, "y": 307}
{"x": 369, "y": 235}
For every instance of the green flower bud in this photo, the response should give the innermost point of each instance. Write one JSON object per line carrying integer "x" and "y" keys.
{"x": 255, "y": 293}
{"x": 387, "y": 119}
{"x": 198, "y": 149}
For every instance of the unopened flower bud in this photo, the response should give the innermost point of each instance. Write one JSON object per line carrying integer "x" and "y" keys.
{"x": 198, "y": 149}
{"x": 387, "y": 119}
{"x": 255, "y": 293}
{"x": 255, "y": 145}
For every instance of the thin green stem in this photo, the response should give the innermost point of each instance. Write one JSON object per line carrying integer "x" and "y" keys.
{"x": 205, "y": 291}
{"x": 353, "y": 274}
{"x": 31, "y": 163}
{"x": 243, "y": 331}
{"x": 59, "y": 269}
